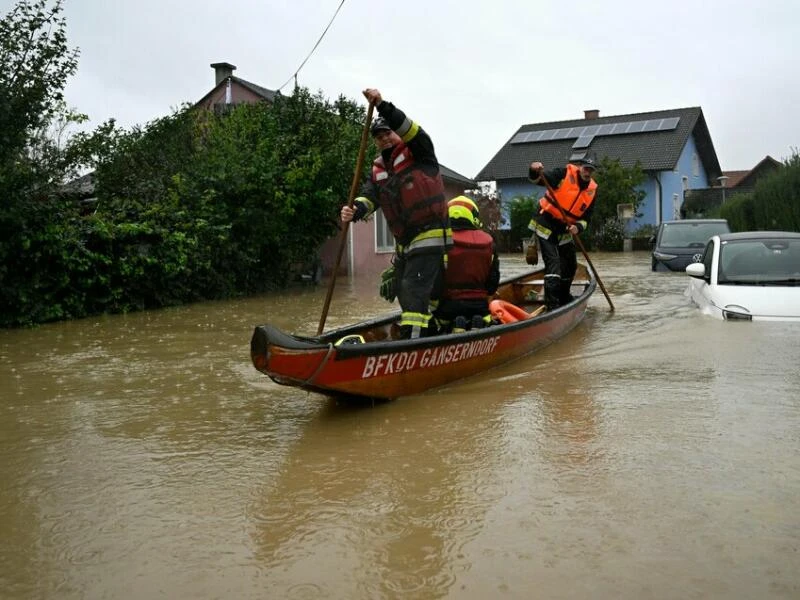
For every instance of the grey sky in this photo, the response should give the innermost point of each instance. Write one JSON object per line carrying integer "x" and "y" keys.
{"x": 469, "y": 72}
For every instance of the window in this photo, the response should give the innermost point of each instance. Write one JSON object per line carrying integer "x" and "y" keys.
{"x": 695, "y": 165}
{"x": 384, "y": 240}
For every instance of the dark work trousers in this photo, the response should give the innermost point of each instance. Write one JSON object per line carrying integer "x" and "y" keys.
{"x": 560, "y": 264}
{"x": 419, "y": 281}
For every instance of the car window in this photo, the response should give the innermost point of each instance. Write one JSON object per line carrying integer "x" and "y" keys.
{"x": 688, "y": 234}
{"x": 760, "y": 261}
{"x": 708, "y": 257}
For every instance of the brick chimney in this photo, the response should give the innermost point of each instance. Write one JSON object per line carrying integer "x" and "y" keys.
{"x": 222, "y": 71}
{"x": 587, "y": 114}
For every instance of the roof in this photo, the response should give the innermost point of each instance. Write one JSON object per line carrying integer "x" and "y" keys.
{"x": 82, "y": 187}
{"x": 765, "y": 166}
{"x": 655, "y": 150}
{"x": 268, "y": 95}
{"x": 734, "y": 177}
{"x": 262, "y": 92}
{"x": 457, "y": 177}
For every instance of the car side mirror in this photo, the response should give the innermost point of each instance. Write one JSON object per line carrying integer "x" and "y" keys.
{"x": 696, "y": 270}
{"x": 652, "y": 240}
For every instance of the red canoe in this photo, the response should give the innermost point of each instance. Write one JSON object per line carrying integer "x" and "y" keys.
{"x": 383, "y": 367}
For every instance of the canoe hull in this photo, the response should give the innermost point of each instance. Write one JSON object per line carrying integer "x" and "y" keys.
{"x": 387, "y": 368}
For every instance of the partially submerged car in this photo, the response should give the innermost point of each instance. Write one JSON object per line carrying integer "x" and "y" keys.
{"x": 677, "y": 244}
{"x": 749, "y": 276}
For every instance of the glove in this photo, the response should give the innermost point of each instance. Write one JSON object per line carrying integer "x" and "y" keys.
{"x": 388, "y": 289}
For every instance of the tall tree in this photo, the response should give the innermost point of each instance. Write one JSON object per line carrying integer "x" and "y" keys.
{"x": 36, "y": 65}
{"x": 36, "y": 228}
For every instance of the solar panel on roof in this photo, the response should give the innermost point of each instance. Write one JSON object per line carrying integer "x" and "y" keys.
{"x": 670, "y": 123}
{"x": 517, "y": 139}
{"x": 583, "y": 141}
{"x": 582, "y": 133}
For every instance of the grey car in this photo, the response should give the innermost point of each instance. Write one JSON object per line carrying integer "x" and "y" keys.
{"x": 677, "y": 244}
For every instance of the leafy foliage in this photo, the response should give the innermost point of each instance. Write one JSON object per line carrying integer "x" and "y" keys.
{"x": 520, "y": 212}
{"x": 615, "y": 185}
{"x": 488, "y": 201}
{"x": 774, "y": 203}
{"x": 38, "y": 236}
{"x": 196, "y": 205}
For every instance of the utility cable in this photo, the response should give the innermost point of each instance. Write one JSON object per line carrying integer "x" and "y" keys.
{"x": 312, "y": 50}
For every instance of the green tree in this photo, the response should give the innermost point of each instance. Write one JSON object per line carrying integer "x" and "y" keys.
{"x": 488, "y": 201}
{"x": 773, "y": 204}
{"x": 36, "y": 65}
{"x": 200, "y": 205}
{"x": 616, "y": 185}
{"x": 37, "y": 234}
{"x": 776, "y": 198}
{"x": 520, "y": 211}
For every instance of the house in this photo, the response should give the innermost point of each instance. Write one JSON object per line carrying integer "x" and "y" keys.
{"x": 698, "y": 202}
{"x": 230, "y": 90}
{"x": 673, "y": 147}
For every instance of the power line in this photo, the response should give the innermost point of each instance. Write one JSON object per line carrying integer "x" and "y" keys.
{"x": 294, "y": 76}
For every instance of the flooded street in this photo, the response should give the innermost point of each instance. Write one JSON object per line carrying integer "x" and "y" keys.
{"x": 651, "y": 453}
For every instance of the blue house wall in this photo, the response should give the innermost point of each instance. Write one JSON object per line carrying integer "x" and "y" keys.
{"x": 668, "y": 186}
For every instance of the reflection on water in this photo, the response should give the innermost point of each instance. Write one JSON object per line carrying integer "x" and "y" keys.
{"x": 652, "y": 453}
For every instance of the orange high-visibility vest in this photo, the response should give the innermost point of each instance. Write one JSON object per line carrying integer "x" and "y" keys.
{"x": 570, "y": 197}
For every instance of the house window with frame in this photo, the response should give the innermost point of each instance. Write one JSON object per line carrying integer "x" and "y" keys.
{"x": 384, "y": 240}
{"x": 695, "y": 165}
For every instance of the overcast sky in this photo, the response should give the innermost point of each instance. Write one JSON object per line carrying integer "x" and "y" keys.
{"x": 470, "y": 72}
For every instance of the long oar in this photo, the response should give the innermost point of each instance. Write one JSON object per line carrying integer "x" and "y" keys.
{"x": 353, "y": 190}
{"x": 578, "y": 243}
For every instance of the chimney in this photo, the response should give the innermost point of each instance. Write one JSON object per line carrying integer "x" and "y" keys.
{"x": 222, "y": 71}
{"x": 587, "y": 114}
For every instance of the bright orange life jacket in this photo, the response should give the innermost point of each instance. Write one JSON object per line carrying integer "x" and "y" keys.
{"x": 570, "y": 197}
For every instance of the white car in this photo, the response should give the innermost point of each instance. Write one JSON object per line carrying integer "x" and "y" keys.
{"x": 750, "y": 276}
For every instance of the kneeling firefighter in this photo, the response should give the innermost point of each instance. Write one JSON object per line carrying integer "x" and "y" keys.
{"x": 473, "y": 270}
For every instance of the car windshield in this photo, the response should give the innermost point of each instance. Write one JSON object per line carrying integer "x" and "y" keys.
{"x": 690, "y": 235}
{"x": 772, "y": 261}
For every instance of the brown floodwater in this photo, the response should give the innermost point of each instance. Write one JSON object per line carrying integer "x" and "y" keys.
{"x": 651, "y": 453}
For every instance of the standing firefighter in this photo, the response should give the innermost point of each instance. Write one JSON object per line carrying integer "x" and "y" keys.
{"x": 473, "y": 270}
{"x": 406, "y": 185}
{"x": 564, "y": 211}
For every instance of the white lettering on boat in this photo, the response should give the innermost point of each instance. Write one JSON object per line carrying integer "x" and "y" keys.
{"x": 398, "y": 362}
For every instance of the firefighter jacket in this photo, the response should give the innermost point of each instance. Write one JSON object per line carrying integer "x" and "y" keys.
{"x": 407, "y": 186}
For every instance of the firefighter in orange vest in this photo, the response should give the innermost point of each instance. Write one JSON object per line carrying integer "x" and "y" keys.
{"x": 407, "y": 186}
{"x": 575, "y": 192}
{"x": 473, "y": 271}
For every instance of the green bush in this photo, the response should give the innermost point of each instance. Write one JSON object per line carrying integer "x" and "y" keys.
{"x": 520, "y": 213}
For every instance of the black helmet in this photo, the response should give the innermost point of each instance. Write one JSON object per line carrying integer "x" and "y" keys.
{"x": 379, "y": 124}
{"x": 588, "y": 162}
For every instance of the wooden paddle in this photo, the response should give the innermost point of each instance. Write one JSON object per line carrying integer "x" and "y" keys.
{"x": 343, "y": 241}
{"x": 578, "y": 242}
